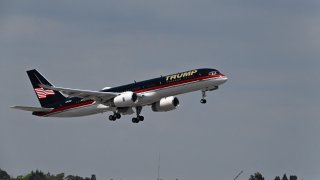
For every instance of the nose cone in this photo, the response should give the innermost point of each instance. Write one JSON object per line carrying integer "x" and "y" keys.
{"x": 223, "y": 78}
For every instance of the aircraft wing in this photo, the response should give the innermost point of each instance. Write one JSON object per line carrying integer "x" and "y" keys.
{"x": 86, "y": 94}
{"x": 33, "y": 109}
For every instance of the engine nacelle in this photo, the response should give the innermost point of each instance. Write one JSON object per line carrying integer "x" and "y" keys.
{"x": 125, "y": 99}
{"x": 165, "y": 104}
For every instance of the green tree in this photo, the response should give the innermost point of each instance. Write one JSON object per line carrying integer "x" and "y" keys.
{"x": 38, "y": 175}
{"x": 256, "y": 176}
{"x": 60, "y": 176}
{"x": 93, "y": 177}
{"x": 4, "y": 175}
{"x": 70, "y": 177}
{"x": 284, "y": 177}
{"x": 293, "y": 177}
{"x": 277, "y": 178}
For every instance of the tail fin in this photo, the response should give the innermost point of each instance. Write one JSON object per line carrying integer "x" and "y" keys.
{"x": 47, "y": 98}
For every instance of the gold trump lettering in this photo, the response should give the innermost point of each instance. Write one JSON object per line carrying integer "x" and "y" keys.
{"x": 180, "y": 75}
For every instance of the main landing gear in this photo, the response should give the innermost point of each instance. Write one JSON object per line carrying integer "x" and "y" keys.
{"x": 114, "y": 116}
{"x": 203, "y": 100}
{"x": 138, "y": 118}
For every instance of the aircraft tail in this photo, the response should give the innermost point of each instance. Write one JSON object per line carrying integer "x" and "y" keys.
{"x": 47, "y": 98}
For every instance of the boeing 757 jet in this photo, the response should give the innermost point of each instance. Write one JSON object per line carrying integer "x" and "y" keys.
{"x": 159, "y": 93}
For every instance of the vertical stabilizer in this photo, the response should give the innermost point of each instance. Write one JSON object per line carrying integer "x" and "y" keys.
{"x": 47, "y": 98}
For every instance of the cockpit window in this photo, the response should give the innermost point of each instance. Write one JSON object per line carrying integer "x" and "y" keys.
{"x": 212, "y": 73}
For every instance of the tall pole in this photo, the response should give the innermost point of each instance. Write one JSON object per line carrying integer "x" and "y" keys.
{"x": 238, "y": 175}
{"x": 158, "y": 167}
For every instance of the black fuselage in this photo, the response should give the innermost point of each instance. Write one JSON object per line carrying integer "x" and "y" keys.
{"x": 162, "y": 81}
{"x": 151, "y": 84}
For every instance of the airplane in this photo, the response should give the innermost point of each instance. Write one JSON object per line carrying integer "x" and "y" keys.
{"x": 159, "y": 93}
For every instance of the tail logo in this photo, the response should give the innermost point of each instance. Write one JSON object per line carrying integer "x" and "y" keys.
{"x": 42, "y": 93}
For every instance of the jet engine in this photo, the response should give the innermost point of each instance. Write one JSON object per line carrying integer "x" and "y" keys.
{"x": 125, "y": 99}
{"x": 165, "y": 104}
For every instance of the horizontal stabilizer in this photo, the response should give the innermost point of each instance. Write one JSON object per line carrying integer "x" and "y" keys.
{"x": 33, "y": 109}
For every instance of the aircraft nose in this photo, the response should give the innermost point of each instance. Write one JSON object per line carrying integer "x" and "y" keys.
{"x": 223, "y": 78}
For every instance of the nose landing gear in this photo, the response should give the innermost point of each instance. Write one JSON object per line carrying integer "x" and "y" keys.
{"x": 203, "y": 100}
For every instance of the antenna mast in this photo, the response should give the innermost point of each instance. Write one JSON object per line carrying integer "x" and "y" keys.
{"x": 158, "y": 167}
{"x": 238, "y": 175}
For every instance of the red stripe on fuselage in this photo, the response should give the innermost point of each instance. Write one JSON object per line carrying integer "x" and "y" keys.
{"x": 67, "y": 107}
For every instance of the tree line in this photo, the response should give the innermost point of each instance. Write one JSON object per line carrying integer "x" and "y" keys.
{"x": 39, "y": 175}
{"x": 258, "y": 176}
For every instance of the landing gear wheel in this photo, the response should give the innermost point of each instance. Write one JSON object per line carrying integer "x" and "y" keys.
{"x": 140, "y": 118}
{"x": 135, "y": 120}
{"x": 112, "y": 118}
{"x": 117, "y": 115}
{"x": 203, "y": 101}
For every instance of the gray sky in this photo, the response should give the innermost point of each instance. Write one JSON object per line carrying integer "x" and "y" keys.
{"x": 265, "y": 118}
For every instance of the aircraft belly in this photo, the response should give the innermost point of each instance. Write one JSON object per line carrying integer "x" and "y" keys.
{"x": 156, "y": 95}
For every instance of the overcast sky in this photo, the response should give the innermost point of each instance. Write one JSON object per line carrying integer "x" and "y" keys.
{"x": 265, "y": 118}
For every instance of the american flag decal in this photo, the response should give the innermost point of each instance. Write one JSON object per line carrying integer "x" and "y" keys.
{"x": 42, "y": 93}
